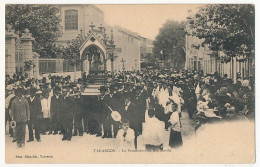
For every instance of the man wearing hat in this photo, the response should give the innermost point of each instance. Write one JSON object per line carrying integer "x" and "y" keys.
{"x": 66, "y": 114}
{"x": 35, "y": 115}
{"x": 8, "y": 101}
{"x": 20, "y": 113}
{"x": 55, "y": 110}
{"x": 46, "y": 107}
{"x": 78, "y": 112}
{"x": 136, "y": 112}
{"x": 103, "y": 114}
{"x": 117, "y": 103}
{"x": 190, "y": 99}
{"x": 222, "y": 99}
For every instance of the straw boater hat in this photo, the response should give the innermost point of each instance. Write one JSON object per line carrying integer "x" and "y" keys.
{"x": 116, "y": 116}
{"x": 245, "y": 83}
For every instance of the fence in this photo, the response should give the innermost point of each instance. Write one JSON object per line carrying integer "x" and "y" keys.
{"x": 47, "y": 66}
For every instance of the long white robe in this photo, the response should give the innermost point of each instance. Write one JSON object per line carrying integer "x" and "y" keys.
{"x": 163, "y": 97}
{"x": 127, "y": 141}
{"x": 46, "y": 107}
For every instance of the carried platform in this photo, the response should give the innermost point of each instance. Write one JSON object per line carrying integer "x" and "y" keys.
{"x": 92, "y": 89}
{"x": 95, "y": 80}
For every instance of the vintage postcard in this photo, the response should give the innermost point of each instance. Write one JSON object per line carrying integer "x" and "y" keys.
{"x": 129, "y": 84}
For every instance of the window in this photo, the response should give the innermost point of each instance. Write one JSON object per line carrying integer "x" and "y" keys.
{"x": 71, "y": 20}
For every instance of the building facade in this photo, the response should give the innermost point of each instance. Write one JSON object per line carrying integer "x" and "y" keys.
{"x": 128, "y": 50}
{"x": 78, "y": 19}
{"x": 203, "y": 59}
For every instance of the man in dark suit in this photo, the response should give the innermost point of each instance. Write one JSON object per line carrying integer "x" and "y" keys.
{"x": 66, "y": 113}
{"x": 78, "y": 113}
{"x": 136, "y": 112}
{"x": 35, "y": 115}
{"x": 20, "y": 113}
{"x": 105, "y": 112}
{"x": 117, "y": 103}
{"x": 100, "y": 110}
{"x": 55, "y": 110}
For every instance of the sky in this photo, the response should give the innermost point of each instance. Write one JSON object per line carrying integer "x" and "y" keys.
{"x": 146, "y": 20}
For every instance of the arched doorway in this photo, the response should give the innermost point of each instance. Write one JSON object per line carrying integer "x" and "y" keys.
{"x": 95, "y": 57}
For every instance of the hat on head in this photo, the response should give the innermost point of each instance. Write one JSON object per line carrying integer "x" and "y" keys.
{"x": 223, "y": 90}
{"x": 126, "y": 84}
{"x": 33, "y": 90}
{"x": 46, "y": 90}
{"x": 245, "y": 83}
{"x": 19, "y": 91}
{"x": 75, "y": 89}
{"x": 112, "y": 87}
{"x": 102, "y": 88}
{"x": 138, "y": 86}
{"x": 132, "y": 83}
{"x": 65, "y": 89}
{"x": 57, "y": 89}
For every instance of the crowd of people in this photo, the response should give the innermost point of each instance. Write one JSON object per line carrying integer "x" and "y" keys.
{"x": 130, "y": 104}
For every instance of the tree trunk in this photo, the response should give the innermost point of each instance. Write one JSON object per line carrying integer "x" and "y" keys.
{"x": 75, "y": 65}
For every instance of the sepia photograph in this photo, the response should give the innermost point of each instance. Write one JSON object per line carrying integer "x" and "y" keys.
{"x": 129, "y": 83}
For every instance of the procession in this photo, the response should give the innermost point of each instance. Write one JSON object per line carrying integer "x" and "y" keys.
{"x": 77, "y": 78}
{"x": 125, "y": 107}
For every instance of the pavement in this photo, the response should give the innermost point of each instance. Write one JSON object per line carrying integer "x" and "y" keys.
{"x": 52, "y": 145}
{"x": 224, "y": 142}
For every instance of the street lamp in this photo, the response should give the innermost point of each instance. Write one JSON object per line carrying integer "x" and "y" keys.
{"x": 111, "y": 52}
{"x": 123, "y": 64}
{"x": 111, "y": 56}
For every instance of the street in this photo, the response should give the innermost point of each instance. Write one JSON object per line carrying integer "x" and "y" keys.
{"x": 213, "y": 143}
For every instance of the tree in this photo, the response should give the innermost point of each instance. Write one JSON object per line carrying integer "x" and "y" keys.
{"x": 169, "y": 43}
{"x": 151, "y": 60}
{"x": 71, "y": 52}
{"x": 43, "y": 21}
{"x": 28, "y": 65}
{"x": 227, "y": 27}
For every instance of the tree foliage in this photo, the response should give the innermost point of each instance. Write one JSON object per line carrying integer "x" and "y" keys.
{"x": 152, "y": 60}
{"x": 43, "y": 21}
{"x": 226, "y": 27}
{"x": 170, "y": 41}
{"x": 72, "y": 52}
{"x": 28, "y": 65}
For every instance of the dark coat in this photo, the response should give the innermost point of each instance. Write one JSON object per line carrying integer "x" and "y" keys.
{"x": 136, "y": 113}
{"x": 55, "y": 107}
{"x": 117, "y": 102}
{"x": 77, "y": 104}
{"x": 20, "y": 110}
{"x": 103, "y": 111}
{"x": 66, "y": 108}
{"x": 190, "y": 99}
{"x": 89, "y": 106}
{"x": 35, "y": 108}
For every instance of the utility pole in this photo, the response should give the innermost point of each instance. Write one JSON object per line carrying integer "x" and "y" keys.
{"x": 135, "y": 64}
